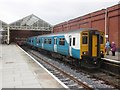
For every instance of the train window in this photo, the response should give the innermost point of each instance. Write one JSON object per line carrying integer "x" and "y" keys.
{"x": 45, "y": 41}
{"x": 101, "y": 40}
{"x": 74, "y": 41}
{"x": 49, "y": 41}
{"x": 85, "y": 34}
{"x": 84, "y": 39}
{"x": 70, "y": 42}
{"x": 38, "y": 41}
{"x": 62, "y": 41}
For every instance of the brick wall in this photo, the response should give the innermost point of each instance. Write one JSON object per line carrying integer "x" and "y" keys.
{"x": 96, "y": 20}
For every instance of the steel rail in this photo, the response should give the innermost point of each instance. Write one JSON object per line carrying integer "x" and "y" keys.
{"x": 66, "y": 74}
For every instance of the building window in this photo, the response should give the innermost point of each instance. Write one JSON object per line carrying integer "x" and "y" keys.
{"x": 84, "y": 39}
{"x": 74, "y": 41}
{"x": 62, "y": 41}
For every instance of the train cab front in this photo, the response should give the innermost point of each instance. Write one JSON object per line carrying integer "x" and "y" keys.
{"x": 91, "y": 48}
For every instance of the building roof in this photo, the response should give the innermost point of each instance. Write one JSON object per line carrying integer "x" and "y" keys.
{"x": 30, "y": 22}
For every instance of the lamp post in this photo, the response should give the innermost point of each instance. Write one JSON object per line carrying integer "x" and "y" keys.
{"x": 106, "y": 27}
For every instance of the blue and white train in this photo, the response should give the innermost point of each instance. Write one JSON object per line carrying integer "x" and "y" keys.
{"x": 86, "y": 46}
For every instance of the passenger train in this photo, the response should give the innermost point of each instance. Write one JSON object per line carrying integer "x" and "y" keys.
{"x": 85, "y": 46}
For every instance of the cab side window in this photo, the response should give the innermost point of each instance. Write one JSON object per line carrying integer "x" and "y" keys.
{"x": 84, "y": 39}
{"x": 74, "y": 41}
{"x": 101, "y": 40}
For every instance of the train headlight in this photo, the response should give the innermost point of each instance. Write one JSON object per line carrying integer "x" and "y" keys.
{"x": 101, "y": 52}
{"x": 85, "y": 53}
{"x": 95, "y": 62}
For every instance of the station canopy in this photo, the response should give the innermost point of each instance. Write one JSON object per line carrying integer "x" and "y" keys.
{"x": 31, "y": 22}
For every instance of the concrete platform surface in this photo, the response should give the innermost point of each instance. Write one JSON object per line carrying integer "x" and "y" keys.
{"x": 17, "y": 70}
{"x": 111, "y": 58}
{"x": 116, "y": 57}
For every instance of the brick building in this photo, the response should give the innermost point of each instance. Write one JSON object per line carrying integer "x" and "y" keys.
{"x": 107, "y": 20}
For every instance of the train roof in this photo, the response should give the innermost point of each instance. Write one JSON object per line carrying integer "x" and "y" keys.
{"x": 64, "y": 32}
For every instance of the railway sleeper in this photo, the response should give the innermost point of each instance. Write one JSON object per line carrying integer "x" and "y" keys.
{"x": 71, "y": 85}
{"x": 64, "y": 79}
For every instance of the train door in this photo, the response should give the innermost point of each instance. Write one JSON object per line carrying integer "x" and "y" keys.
{"x": 94, "y": 45}
{"x": 42, "y": 42}
{"x": 70, "y": 45}
{"x": 35, "y": 41}
{"x": 55, "y": 44}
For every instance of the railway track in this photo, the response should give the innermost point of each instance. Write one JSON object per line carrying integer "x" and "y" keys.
{"x": 103, "y": 75}
{"x": 106, "y": 75}
{"x": 112, "y": 67}
{"x": 69, "y": 79}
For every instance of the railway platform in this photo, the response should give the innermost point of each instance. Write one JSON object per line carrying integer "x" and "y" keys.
{"x": 115, "y": 59}
{"x": 18, "y": 70}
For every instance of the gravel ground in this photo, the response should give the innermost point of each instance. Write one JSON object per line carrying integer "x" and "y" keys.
{"x": 97, "y": 84}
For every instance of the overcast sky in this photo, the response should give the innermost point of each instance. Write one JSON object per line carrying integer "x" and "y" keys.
{"x": 52, "y": 11}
